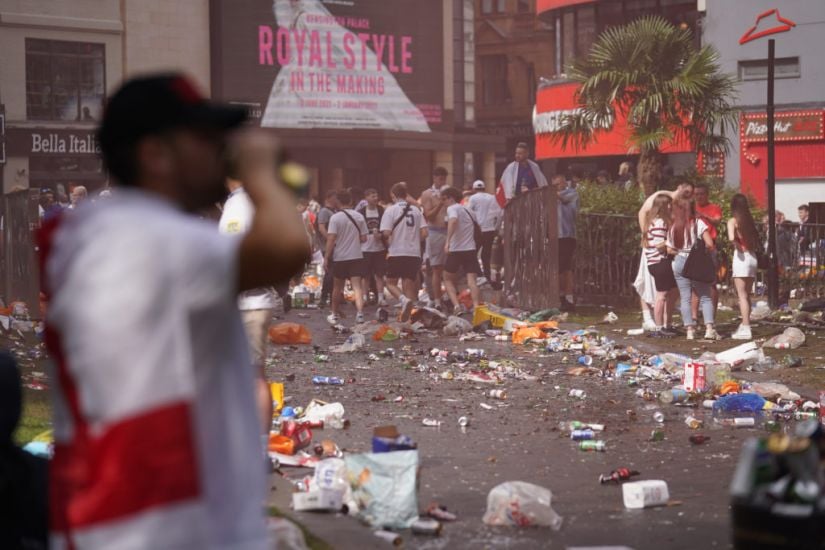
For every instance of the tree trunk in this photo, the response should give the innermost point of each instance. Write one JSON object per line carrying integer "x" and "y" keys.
{"x": 650, "y": 171}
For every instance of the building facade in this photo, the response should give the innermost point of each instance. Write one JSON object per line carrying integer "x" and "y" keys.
{"x": 799, "y": 95}
{"x": 58, "y": 66}
{"x": 576, "y": 25}
{"x": 513, "y": 48}
{"x": 364, "y": 93}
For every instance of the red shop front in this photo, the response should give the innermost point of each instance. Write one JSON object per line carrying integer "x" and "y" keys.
{"x": 554, "y": 101}
{"x": 800, "y": 157}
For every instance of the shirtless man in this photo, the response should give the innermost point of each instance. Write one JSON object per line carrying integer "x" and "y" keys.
{"x": 435, "y": 212}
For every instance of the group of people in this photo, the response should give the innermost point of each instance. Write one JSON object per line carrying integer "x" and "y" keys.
{"x": 675, "y": 224}
{"x": 386, "y": 245}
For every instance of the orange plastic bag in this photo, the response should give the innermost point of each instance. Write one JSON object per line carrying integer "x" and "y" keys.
{"x": 547, "y": 325}
{"x": 281, "y": 444}
{"x": 522, "y": 334}
{"x": 730, "y": 386}
{"x": 289, "y": 333}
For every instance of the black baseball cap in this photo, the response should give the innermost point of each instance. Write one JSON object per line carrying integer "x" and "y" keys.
{"x": 155, "y": 103}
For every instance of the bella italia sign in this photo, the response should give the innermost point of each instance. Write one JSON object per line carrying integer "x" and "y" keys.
{"x": 46, "y": 141}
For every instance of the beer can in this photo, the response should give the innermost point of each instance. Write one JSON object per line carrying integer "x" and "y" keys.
{"x": 592, "y": 446}
{"x": 423, "y": 526}
{"x": 782, "y": 345}
{"x": 582, "y": 435}
{"x": 388, "y": 536}
{"x": 585, "y": 360}
{"x": 744, "y": 422}
{"x": 693, "y": 423}
{"x": 432, "y": 423}
{"x": 463, "y": 421}
{"x": 659, "y": 417}
{"x": 498, "y": 394}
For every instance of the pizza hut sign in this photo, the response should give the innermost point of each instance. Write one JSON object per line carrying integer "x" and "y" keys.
{"x": 788, "y": 126}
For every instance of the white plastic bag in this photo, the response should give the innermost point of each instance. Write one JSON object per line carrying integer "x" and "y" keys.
{"x": 331, "y": 414}
{"x": 456, "y": 326}
{"x": 354, "y": 343}
{"x": 384, "y": 487}
{"x": 521, "y": 504}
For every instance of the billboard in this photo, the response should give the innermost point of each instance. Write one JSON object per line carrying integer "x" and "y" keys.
{"x": 334, "y": 64}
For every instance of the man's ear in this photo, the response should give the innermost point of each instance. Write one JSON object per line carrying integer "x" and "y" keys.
{"x": 154, "y": 157}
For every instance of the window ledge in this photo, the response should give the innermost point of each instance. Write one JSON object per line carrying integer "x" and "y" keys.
{"x": 51, "y": 21}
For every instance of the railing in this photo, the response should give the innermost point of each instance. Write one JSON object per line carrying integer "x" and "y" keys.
{"x": 531, "y": 278}
{"x": 608, "y": 248}
{"x": 608, "y": 251}
{"x": 19, "y": 258}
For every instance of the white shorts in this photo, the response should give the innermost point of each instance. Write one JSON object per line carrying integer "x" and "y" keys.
{"x": 744, "y": 264}
{"x": 435, "y": 247}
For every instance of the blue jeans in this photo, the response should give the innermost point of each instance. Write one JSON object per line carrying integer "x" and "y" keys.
{"x": 685, "y": 286}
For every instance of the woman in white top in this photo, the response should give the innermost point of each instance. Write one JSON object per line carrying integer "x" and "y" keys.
{"x": 683, "y": 232}
{"x": 657, "y": 221}
{"x": 745, "y": 240}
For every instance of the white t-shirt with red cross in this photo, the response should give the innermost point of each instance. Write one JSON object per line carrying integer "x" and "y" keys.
{"x": 156, "y": 435}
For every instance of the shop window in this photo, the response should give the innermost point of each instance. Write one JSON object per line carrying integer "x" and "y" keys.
{"x": 757, "y": 69}
{"x": 493, "y": 6}
{"x": 64, "y": 80}
{"x": 494, "y": 85}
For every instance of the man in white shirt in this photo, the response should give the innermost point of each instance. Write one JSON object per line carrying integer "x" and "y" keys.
{"x": 375, "y": 253}
{"x": 346, "y": 232}
{"x": 488, "y": 213}
{"x": 256, "y": 305}
{"x": 460, "y": 248}
{"x": 436, "y": 216}
{"x": 156, "y": 436}
{"x": 404, "y": 226}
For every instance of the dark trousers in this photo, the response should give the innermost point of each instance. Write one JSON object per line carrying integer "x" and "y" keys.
{"x": 486, "y": 249}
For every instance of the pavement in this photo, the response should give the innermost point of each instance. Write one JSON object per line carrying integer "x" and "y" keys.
{"x": 520, "y": 439}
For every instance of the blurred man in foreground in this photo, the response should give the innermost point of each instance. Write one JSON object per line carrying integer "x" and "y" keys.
{"x": 156, "y": 433}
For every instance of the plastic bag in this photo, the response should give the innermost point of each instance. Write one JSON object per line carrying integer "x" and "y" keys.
{"x": 384, "y": 486}
{"x": 773, "y": 391}
{"x": 456, "y": 326}
{"x": 522, "y": 334}
{"x": 521, "y": 504}
{"x": 791, "y": 338}
{"x": 353, "y": 343}
{"x": 385, "y": 333}
{"x": 289, "y": 333}
{"x": 331, "y": 414}
{"x": 739, "y": 403}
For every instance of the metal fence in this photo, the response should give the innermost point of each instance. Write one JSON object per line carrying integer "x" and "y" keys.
{"x": 609, "y": 248}
{"x": 18, "y": 268}
{"x": 531, "y": 279}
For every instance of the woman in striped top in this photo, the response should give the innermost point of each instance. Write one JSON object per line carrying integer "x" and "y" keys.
{"x": 658, "y": 262}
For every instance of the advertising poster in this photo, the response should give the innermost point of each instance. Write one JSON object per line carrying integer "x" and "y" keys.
{"x": 334, "y": 64}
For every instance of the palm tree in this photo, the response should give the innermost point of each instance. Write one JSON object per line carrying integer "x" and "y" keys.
{"x": 650, "y": 72}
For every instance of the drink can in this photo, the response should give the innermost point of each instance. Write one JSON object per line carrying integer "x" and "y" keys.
{"x": 592, "y": 446}
{"x": 744, "y": 422}
{"x": 389, "y": 536}
{"x": 432, "y": 423}
{"x": 673, "y": 395}
{"x": 657, "y": 434}
{"x": 805, "y": 415}
{"x": 579, "y": 394}
{"x": 423, "y": 526}
{"x": 693, "y": 423}
{"x": 463, "y": 421}
{"x": 708, "y": 403}
{"x": 475, "y": 353}
{"x": 585, "y": 360}
{"x": 694, "y": 379}
{"x": 659, "y": 417}
{"x": 782, "y": 345}
{"x": 327, "y": 381}
{"x": 594, "y": 427}
{"x": 502, "y": 338}
{"x": 582, "y": 435}
{"x": 498, "y": 394}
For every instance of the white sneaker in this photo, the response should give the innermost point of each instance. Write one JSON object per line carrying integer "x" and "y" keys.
{"x": 691, "y": 333}
{"x": 711, "y": 334}
{"x": 649, "y": 326}
{"x": 742, "y": 333}
{"x": 359, "y": 317}
{"x": 332, "y": 319}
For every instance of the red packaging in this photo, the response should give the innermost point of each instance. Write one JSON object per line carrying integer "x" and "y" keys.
{"x": 694, "y": 380}
{"x": 300, "y": 433}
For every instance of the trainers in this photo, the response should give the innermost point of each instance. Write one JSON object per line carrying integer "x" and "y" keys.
{"x": 691, "y": 333}
{"x": 711, "y": 334}
{"x": 332, "y": 319}
{"x": 359, "y": 317}
{"x": 649, "y": 326}
{"x": 742, "y": 333}
{"x": 668, "y": 332}
{"x": 406, "y": 309}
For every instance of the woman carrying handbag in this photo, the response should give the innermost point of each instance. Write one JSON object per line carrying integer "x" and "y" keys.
{"x": 688, "y": 238}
